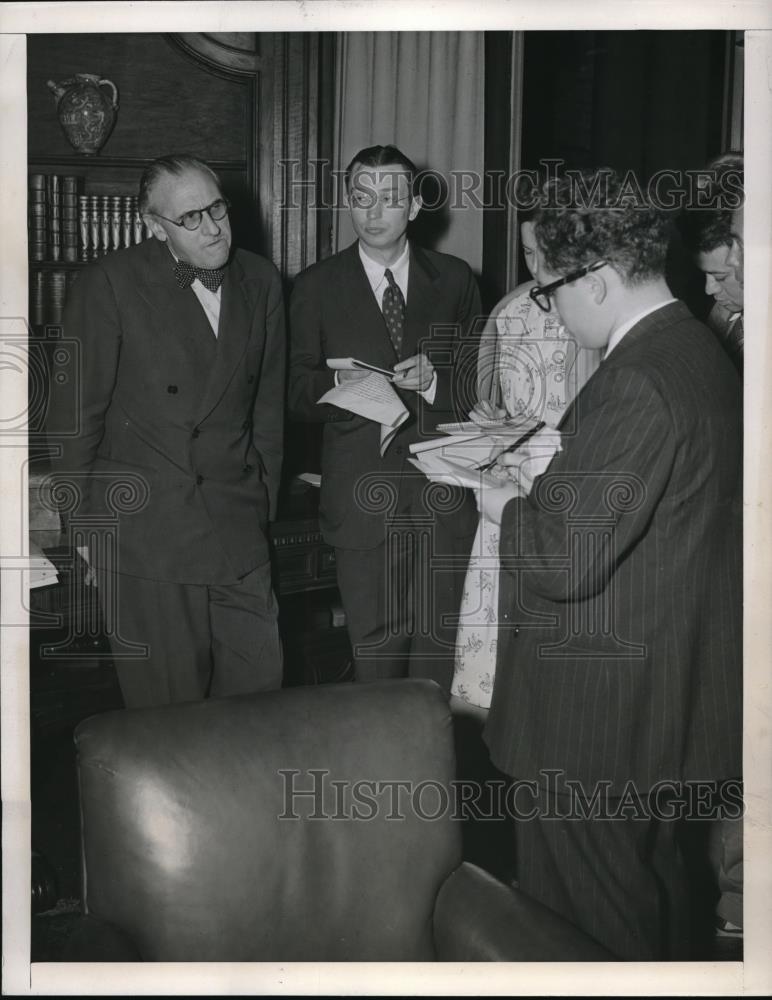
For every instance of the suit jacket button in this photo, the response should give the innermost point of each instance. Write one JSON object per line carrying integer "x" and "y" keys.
{"x": 248, "y": 468}
{"x": 171, "y": 389}
{"x": 196, "y": 432}
{"x": 517, "y": 630}
{"x": 199, "y": 480}
{"x": 251, "y": 379}
{"x": 399, "y": 450}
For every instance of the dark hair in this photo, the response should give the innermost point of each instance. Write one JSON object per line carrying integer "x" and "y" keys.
{"x": 174, "y": 164}
{"x": 586, "y": 216}
{"x": 382, "y": 156}
{"x": 703, "y": 230}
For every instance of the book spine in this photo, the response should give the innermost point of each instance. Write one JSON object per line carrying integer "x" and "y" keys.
{"x": 127, "y": 225}
{"x": 84, "y": 228}
{"x": 70, "y": 219}
{"x": 57, "y": 283}
{"x": 37, "y": 217}
{"x": 104, "y": 224}
{"x": 54, "y": 217}
{"x": 93, "y": 224}
{"x": 37, "y": 310}
{"x": 115, "y": 222}
{"x": 139, "y": 234}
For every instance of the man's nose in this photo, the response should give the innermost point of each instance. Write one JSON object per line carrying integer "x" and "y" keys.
{"x": 209, "y": 226}
{"x": 375, "y": 209}
{"x": 711, "y": 285}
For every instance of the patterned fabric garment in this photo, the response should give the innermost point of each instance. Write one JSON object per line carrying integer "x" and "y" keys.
{"x": 394, "y": 311}
{"x": 186, "y": 274}
{"x": 537, "y": 372}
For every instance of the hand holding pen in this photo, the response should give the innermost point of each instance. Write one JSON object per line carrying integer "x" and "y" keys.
{"x": 486, "y": 466}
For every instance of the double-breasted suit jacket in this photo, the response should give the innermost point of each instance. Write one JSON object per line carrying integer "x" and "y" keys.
{"x": 620, "y": 649}
{"x": 195, "y": 419}
{"x": 334, "y": 313}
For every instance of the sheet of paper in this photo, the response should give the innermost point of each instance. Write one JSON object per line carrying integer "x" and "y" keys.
{"x": 444, "y": 470}
{"x": 374, "y": 399}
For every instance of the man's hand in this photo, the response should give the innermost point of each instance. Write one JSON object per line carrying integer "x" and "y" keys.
{"x": 491, "y": 500}
{"x": 484, "y": 412}
{"x": 414, "y": 373}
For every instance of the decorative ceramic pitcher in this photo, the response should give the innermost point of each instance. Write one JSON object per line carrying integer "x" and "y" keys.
{"x": 86, "y": 114}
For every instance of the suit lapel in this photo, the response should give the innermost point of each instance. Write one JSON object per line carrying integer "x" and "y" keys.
{"x": 373, "y": 342}
{"x": 422, "y": 301}
{"x": 667, "y": 315}
{"x": 232, "y": 336}
{"x": 178, "y": 311}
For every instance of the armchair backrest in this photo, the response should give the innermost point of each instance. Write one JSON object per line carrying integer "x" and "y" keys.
{"x": 308, "y": 824}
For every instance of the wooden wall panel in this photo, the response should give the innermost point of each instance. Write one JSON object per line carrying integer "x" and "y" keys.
{"x": 166, "y": 101}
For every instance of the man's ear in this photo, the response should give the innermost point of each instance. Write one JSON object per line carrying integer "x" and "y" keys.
{"x": 415, "y": 207}
{"x": 155, "y": 227}
{"x": 596, "y": 286}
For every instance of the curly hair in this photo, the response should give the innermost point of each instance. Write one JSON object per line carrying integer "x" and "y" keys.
{"x": 595, "y": 215}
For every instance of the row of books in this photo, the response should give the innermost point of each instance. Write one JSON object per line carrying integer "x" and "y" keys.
{"x": 47, "y": 294}
{"x": 67, "y": 225}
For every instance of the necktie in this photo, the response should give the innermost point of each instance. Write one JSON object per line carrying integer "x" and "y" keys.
{"x": 394, "y": 311}
{"x": 186, "y": 274}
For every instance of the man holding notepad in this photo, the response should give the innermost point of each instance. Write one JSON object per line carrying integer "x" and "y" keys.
{"x": 401, "y": 542}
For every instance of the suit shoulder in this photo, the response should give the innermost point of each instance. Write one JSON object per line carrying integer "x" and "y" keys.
{"x": 322, "y": 270}
{"x": 447, "y": 263}
{"x": 256, "y": 266}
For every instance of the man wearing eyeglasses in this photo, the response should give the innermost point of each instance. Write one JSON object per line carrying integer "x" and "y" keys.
{"x": 181, "y": 391}
{"x": 618, "y": 673}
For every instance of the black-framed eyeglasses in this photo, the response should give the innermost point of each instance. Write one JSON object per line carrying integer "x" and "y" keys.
{"x": 541, "y": 293}
{"x": 192, "y": 220}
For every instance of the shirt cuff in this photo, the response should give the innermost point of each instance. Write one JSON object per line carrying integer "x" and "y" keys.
{"x": 429, "y": 393}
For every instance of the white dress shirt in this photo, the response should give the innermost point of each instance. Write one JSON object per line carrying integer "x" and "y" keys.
{"x": 400, "y": 270}
{"x": 620, "y": 331}
{"x": 210, "y": 301}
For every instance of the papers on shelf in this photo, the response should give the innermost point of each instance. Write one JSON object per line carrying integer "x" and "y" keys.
{"x": 372, "y": 398}
{"x": 42, "y": 572}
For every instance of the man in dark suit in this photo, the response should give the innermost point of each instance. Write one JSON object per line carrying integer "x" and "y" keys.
{"x": 181, "y": 398}
{"x": 400, "y": 542}
{"x": 619, "y": 666}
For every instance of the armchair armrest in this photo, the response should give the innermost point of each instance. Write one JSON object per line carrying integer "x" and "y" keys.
{"x": 479, "y": 919}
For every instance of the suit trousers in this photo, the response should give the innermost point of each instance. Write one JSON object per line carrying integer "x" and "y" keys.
{"x": 193, "y": 641}
{"x": 402, "y": 600}
{"x": 620, "y": 880}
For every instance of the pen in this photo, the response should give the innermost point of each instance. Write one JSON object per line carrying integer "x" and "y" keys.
{"x": 373, "y": 368}
{"x": 513, "y": 447}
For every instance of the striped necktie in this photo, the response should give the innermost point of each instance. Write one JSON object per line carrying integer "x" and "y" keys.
{"x": 394, "y": 311}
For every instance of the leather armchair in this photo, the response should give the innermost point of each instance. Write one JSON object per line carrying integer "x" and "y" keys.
{"x": 271, "y": 828}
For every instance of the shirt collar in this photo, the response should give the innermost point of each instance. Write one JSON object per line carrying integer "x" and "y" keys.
{"x": 625, "y": 328}
{"x": 201, "y": 286}
{"x": 375, "y": 272}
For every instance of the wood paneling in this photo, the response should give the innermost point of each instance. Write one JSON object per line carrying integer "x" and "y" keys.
{"x": 167, "y": 103}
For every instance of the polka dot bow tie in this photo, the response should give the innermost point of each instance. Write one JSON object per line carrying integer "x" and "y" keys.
{"x": 394, "y": 311}
{"x": 186, "y": 274}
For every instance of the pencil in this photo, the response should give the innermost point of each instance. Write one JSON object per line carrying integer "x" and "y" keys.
{"x": 514, "y": 446}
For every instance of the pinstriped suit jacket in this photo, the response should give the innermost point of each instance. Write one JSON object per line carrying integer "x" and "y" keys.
{"x": 620, "y": 650}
